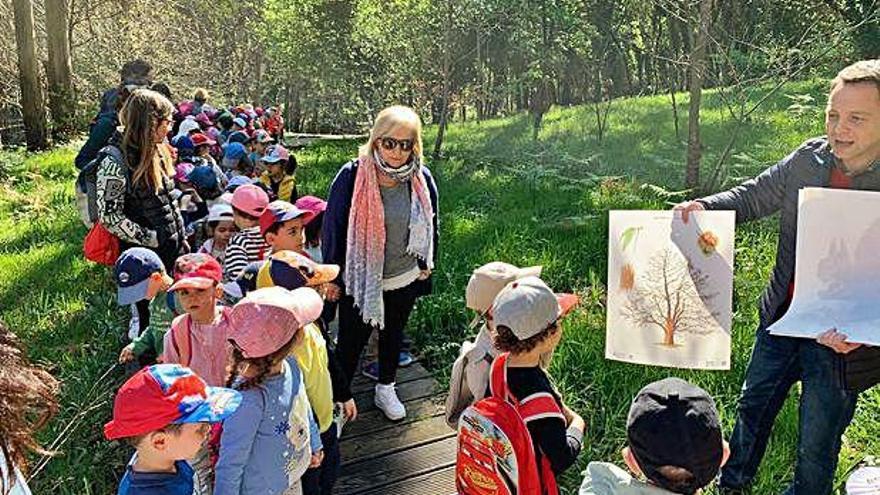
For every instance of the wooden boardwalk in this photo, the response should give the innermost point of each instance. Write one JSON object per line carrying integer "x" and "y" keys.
{"x": 415, "y": 456}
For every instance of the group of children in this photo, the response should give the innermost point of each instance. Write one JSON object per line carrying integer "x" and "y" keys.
{"x": 248, "y": 398}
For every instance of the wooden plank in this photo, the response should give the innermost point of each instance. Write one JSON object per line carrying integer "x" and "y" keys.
{"x": 378, "y": 472}
{"x": 441, "y": 482}
{"x": 374, "y": 421}
{"x": 381, "y": 443}
{"x": 417, "y": 389}
{"x": 408, "y": 374}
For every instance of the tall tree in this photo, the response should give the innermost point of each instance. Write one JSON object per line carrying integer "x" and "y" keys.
{"x": 696, "y": 73}
{"x": 33, "y": 107}
{"x": 61, "y": 94}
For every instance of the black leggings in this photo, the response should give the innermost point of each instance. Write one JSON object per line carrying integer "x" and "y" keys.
{"x": 354, "y": 333}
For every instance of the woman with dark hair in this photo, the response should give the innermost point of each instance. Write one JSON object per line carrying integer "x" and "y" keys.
{"x": 381, "y": 227}
{"x": 27, "y": 402}
{"x": 134, "y": 198}
{"x": 135, "y": 74}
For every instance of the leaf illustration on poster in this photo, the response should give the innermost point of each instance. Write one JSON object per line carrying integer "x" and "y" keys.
{"x": 670, "y": 288}
{"x": 836, "y": 266}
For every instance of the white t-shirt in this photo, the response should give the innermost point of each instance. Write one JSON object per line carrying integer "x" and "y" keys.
{"x": 20, "y": 487}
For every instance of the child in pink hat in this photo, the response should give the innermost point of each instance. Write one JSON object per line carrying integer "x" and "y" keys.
{"x": 248, "y": 204}
{"x": 274, "y": 437}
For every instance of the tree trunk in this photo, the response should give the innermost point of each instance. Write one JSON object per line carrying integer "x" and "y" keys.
{"x": 668, "y": 333}
{"x": 447, "y": 74}
{"x": 696, "y": 72}
{"x": 61, "y": 95}
{"x": 33, "y": 108}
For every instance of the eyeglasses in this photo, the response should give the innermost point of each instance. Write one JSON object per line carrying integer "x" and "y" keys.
{"x": 389, "y": 143}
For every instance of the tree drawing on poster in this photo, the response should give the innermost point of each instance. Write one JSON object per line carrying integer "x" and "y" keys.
{"x": 668, "y": 297}
{"x": 670, "y": 289}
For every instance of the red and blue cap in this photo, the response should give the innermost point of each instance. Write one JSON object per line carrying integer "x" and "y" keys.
{"x": 165, "y": 394}
{"x": 280, "y": 211}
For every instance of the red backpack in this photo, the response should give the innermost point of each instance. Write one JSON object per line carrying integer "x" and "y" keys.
{"x": 495, "y": 451}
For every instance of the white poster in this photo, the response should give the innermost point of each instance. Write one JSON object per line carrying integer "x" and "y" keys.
{"x": 837, "y": 268}
{"x": 670, "y": 288}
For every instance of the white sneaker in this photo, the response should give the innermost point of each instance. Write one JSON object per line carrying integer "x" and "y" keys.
{"x": 387, "y": 402}
{"x": 134, "y": 324}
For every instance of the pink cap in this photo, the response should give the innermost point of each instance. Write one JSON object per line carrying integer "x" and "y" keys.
{"x": 250, "y": 199}
{"x": 266, "y": 319}
{"x": 312, "y": 204}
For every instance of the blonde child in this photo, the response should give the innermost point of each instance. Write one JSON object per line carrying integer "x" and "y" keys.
{"x": 274, "y": 438}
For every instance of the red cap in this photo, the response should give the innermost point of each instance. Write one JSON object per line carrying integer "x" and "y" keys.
{"x": 200, "y": 139}
{"x": 196, "y": 271}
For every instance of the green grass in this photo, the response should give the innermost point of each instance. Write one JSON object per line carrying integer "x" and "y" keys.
{"x": 503, "y": 196}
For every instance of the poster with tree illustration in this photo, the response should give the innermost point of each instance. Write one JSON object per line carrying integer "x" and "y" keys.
{"x": 670, "y": 288}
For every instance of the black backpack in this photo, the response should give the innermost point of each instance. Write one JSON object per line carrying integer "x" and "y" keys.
{"x": 87, "y": 184}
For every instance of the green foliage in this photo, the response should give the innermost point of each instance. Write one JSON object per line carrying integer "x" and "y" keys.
{"x": 503, "y": 197}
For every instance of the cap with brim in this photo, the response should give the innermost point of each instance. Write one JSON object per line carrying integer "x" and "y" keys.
{"x": 165, "y": 394}
{"x": 279, "y": 212}
{"x": 245, "y": 282}
{"x": 196, "y": 271}
{"x": 220, "y": 212}
{"x": 292, "y": 270}
{"x": 527, "y": 307}
{"x": 263, "y": 137}
{"x": 239, "y": 122}
{"x": 313, "y": 204}
{"x": 132, "y": 272}
{"x": 266, "y": 319}
{"x": 488, "y": 280}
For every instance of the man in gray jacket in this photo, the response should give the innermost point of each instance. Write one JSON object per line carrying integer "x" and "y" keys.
{"x": 848, "y": 157}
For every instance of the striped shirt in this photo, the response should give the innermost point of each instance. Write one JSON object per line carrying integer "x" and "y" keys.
{"x": 245, "y": 247}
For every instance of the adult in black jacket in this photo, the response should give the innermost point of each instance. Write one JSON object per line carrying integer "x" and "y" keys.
{"x": 134, "y": 197}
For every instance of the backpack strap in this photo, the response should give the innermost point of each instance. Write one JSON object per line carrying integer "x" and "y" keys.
{"x": 498, "y": 377}
{"x": 539, "y": 406}
{"x": 182, "y": 343}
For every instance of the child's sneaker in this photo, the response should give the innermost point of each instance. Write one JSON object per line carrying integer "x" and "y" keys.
{"x": 405, "y": 359}
{"x": 371, "y": 371}
{"x": 339, "y": 418}
{"x": 387, "y": 401}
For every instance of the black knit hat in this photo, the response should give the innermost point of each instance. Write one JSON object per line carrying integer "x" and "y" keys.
{"x": 674, "y": 423}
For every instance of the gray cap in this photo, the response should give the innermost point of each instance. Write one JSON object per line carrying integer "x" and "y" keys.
{"x": 527, "y": 307}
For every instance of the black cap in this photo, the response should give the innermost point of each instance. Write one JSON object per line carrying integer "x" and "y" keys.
{"x": 674, "y": 423}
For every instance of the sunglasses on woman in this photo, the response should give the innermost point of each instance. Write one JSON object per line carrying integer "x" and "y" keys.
{"x": 389, "y": 144}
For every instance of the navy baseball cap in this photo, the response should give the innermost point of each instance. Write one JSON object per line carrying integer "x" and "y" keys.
{"x": 203, "y": 177}
{"x": 132, "y": 272}
{"x": 245, "y": 282}
{"x": 239, "y": 137}
{"x": 234, "y": 151}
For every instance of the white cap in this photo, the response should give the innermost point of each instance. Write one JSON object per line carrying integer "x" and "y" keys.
{"x": 220, "y": 212}
{"x": 527, "y": 307}
{"x": 488, "y": 280}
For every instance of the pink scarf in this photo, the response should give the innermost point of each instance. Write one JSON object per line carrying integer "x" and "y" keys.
{"x": 365, "y": 246}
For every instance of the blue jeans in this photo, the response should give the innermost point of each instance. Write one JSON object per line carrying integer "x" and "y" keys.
{"x": 824, "y": 413}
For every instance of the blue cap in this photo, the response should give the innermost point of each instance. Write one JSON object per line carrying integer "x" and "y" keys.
{"x": 239, "y": 122}
{"x": 238, "y": 180}
{"x": 182, "y": 143}
{"x": 203, "y": 177}
{"x": 132, "y": 272}
{"x": 234, "y": 151}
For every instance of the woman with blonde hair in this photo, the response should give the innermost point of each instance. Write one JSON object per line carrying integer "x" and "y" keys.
{"x": 134, "y": 198}
{"x": 381, "y": 228}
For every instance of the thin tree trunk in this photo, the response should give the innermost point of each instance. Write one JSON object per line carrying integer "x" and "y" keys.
{"x": 61, "y": 95}
{"x": 695, "y": 88}
{"x": 447, "y": 69}
{"x": 33, "y": 107}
